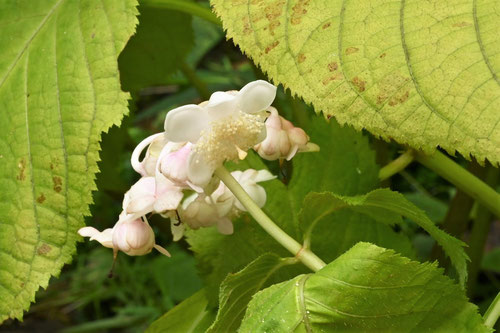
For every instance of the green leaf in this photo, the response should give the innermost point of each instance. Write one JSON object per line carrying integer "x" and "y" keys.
{"x": 384, "y": 206}
{"x": 237, "y": 290}
{"x": 348, "y": 168}
{"x": 190, "y": 316}
{"x": 162, "y": 42}
{"x": 423, "y": 73}
{"x": 366, "y": 289}
{"x": 491, "y": 261}
{"x": 59, "y": 90}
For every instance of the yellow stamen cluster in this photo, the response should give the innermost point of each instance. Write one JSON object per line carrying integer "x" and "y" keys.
{"x": 228, "y": 137}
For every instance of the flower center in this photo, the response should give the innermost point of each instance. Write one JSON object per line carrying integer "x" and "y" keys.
{"x": 227, "y": 137}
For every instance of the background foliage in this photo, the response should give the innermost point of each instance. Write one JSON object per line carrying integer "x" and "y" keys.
{"x": 175, "y": 58}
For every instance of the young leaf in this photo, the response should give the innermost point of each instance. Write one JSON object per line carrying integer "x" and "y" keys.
{"x": 59, "y": 90}
{"x": 237, "y": 290}
{"x": 190, "y": 316}
{"x": 366, "y": 289}
{"x": 423, "y": 73}
{"x": 384, "y": 206}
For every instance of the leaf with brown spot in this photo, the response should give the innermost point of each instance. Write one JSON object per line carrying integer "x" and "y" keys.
{"x": 443, "y": 53}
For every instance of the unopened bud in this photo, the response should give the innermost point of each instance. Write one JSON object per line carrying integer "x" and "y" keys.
{"x": 134, "y": 237}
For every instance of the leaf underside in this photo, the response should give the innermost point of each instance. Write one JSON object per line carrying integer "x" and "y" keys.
{"x": 424, "y": 73}
{"x": 366, "y": 289}
{"x": 59, "y": 90}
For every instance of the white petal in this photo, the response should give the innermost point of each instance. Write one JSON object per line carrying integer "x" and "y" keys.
{"x": 221, "y": 104}
{"x": 199, "y": 171}
{"x": 225, "y": 226}
{"x": 105, "y": 237}
{"x": 256, "y": 96}
{"x": 185, "y": 123}
{"x": 263, "y": 175}
{"x": 162, "y": 250}
{"x": 257, "y": 193}
{"x": 136, "y": 164}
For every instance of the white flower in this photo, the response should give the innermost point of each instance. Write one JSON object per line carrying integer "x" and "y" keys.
{"x": 283, "y": 140}
{"x": 223, "y": 128}
{"x": 133, "y": 237}
{"x": 151, "y": 194}
{"x": 155, "y": 144}
{"x": 199, "y": 210}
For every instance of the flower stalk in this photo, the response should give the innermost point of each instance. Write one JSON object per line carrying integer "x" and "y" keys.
{"x": 304, "y": 255}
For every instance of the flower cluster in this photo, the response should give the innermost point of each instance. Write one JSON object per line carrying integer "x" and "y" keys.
{"x": 177, "y": 170}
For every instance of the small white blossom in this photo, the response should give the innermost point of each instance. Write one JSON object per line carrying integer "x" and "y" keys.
{"x": 199, "y": 210}
{"x": 133, "y": 237}
{"x": 283, "y": 140}
{"x": 223, "y": 128}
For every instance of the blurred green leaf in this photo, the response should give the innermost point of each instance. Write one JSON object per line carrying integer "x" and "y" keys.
{"x": 434, "y": 208}
{"x": 491, "y": 261}
{"x": 162, "y": 41}
{"x": 366, "y": 289}
{"x": 190, "y": 316}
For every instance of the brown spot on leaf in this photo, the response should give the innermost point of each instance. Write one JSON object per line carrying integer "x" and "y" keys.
{"x": 399, "y": 98}
{"x": 51, "y": 166}
{"x": 360, "y": 84}
{"x": 299, "y": 10}
{"x": 326, "y": 25}
{"x": 22, "y": 168}
{"x": 382, "y": 55}
{"x": 351, "y": 50}
{"x": 334, "y": 77}
{"x": 57, "y": 183}
{"x": 41, "y": 198}
{"x": 271, "y": 46}
{"x": 43, "y": 249}
{"x": 301, "y": 58}
{"x": 332, "y": 67}
{"x": 273, "y": 12}
{"x": 247, "y": 29}
{"x": 461, "y": 24}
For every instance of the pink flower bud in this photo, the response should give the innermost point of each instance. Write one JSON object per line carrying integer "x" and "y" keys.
{"x": 134, "y": 237}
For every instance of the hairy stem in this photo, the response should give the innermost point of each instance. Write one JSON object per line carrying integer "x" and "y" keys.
{"x": 493, "y": 312}
{"x": 184, "y": 6}
{"x": 396, "y": 165}
{"x": 462, "y": 179}
{"x": 307, "y": 257}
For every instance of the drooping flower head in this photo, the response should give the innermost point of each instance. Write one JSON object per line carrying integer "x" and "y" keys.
{"x": 223, "y": 128}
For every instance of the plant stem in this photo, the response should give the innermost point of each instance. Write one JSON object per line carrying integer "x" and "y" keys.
{"x": 191, "y": 76}
{"x": 479, "y": 235}
{"x": 493, "y": 312}
{"x": 396, "y": 165}
{"x": 462, "y": 179}
{"x": 185, "y": 7}
{"x": 307, "y": 257}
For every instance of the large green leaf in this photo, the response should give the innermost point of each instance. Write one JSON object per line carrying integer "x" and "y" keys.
{"x": 59, "y": 90}
{"x": 348, "y": 168}
{"x": 366, "y": 289}
{"x": 424, "y": 73}
{"x": 237, "y": 290}
{"x": 190, "y": 316}
{"x": 384, "y": 206}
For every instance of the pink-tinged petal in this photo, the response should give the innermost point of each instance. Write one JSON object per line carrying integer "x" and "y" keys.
{"x": 136, "y": 154}
{"x": 185, "y": 123}
{"x": 174, "y": 164}
{"x": 140, "y": 198}
{"x": 162, "y": 250}
{"x": 199, "y": 171}
{"x": 141, "y": 206}
{"x": 225, "y": 226}
{"x": 221, "y": 104}
{"x": 256, "y": 96}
